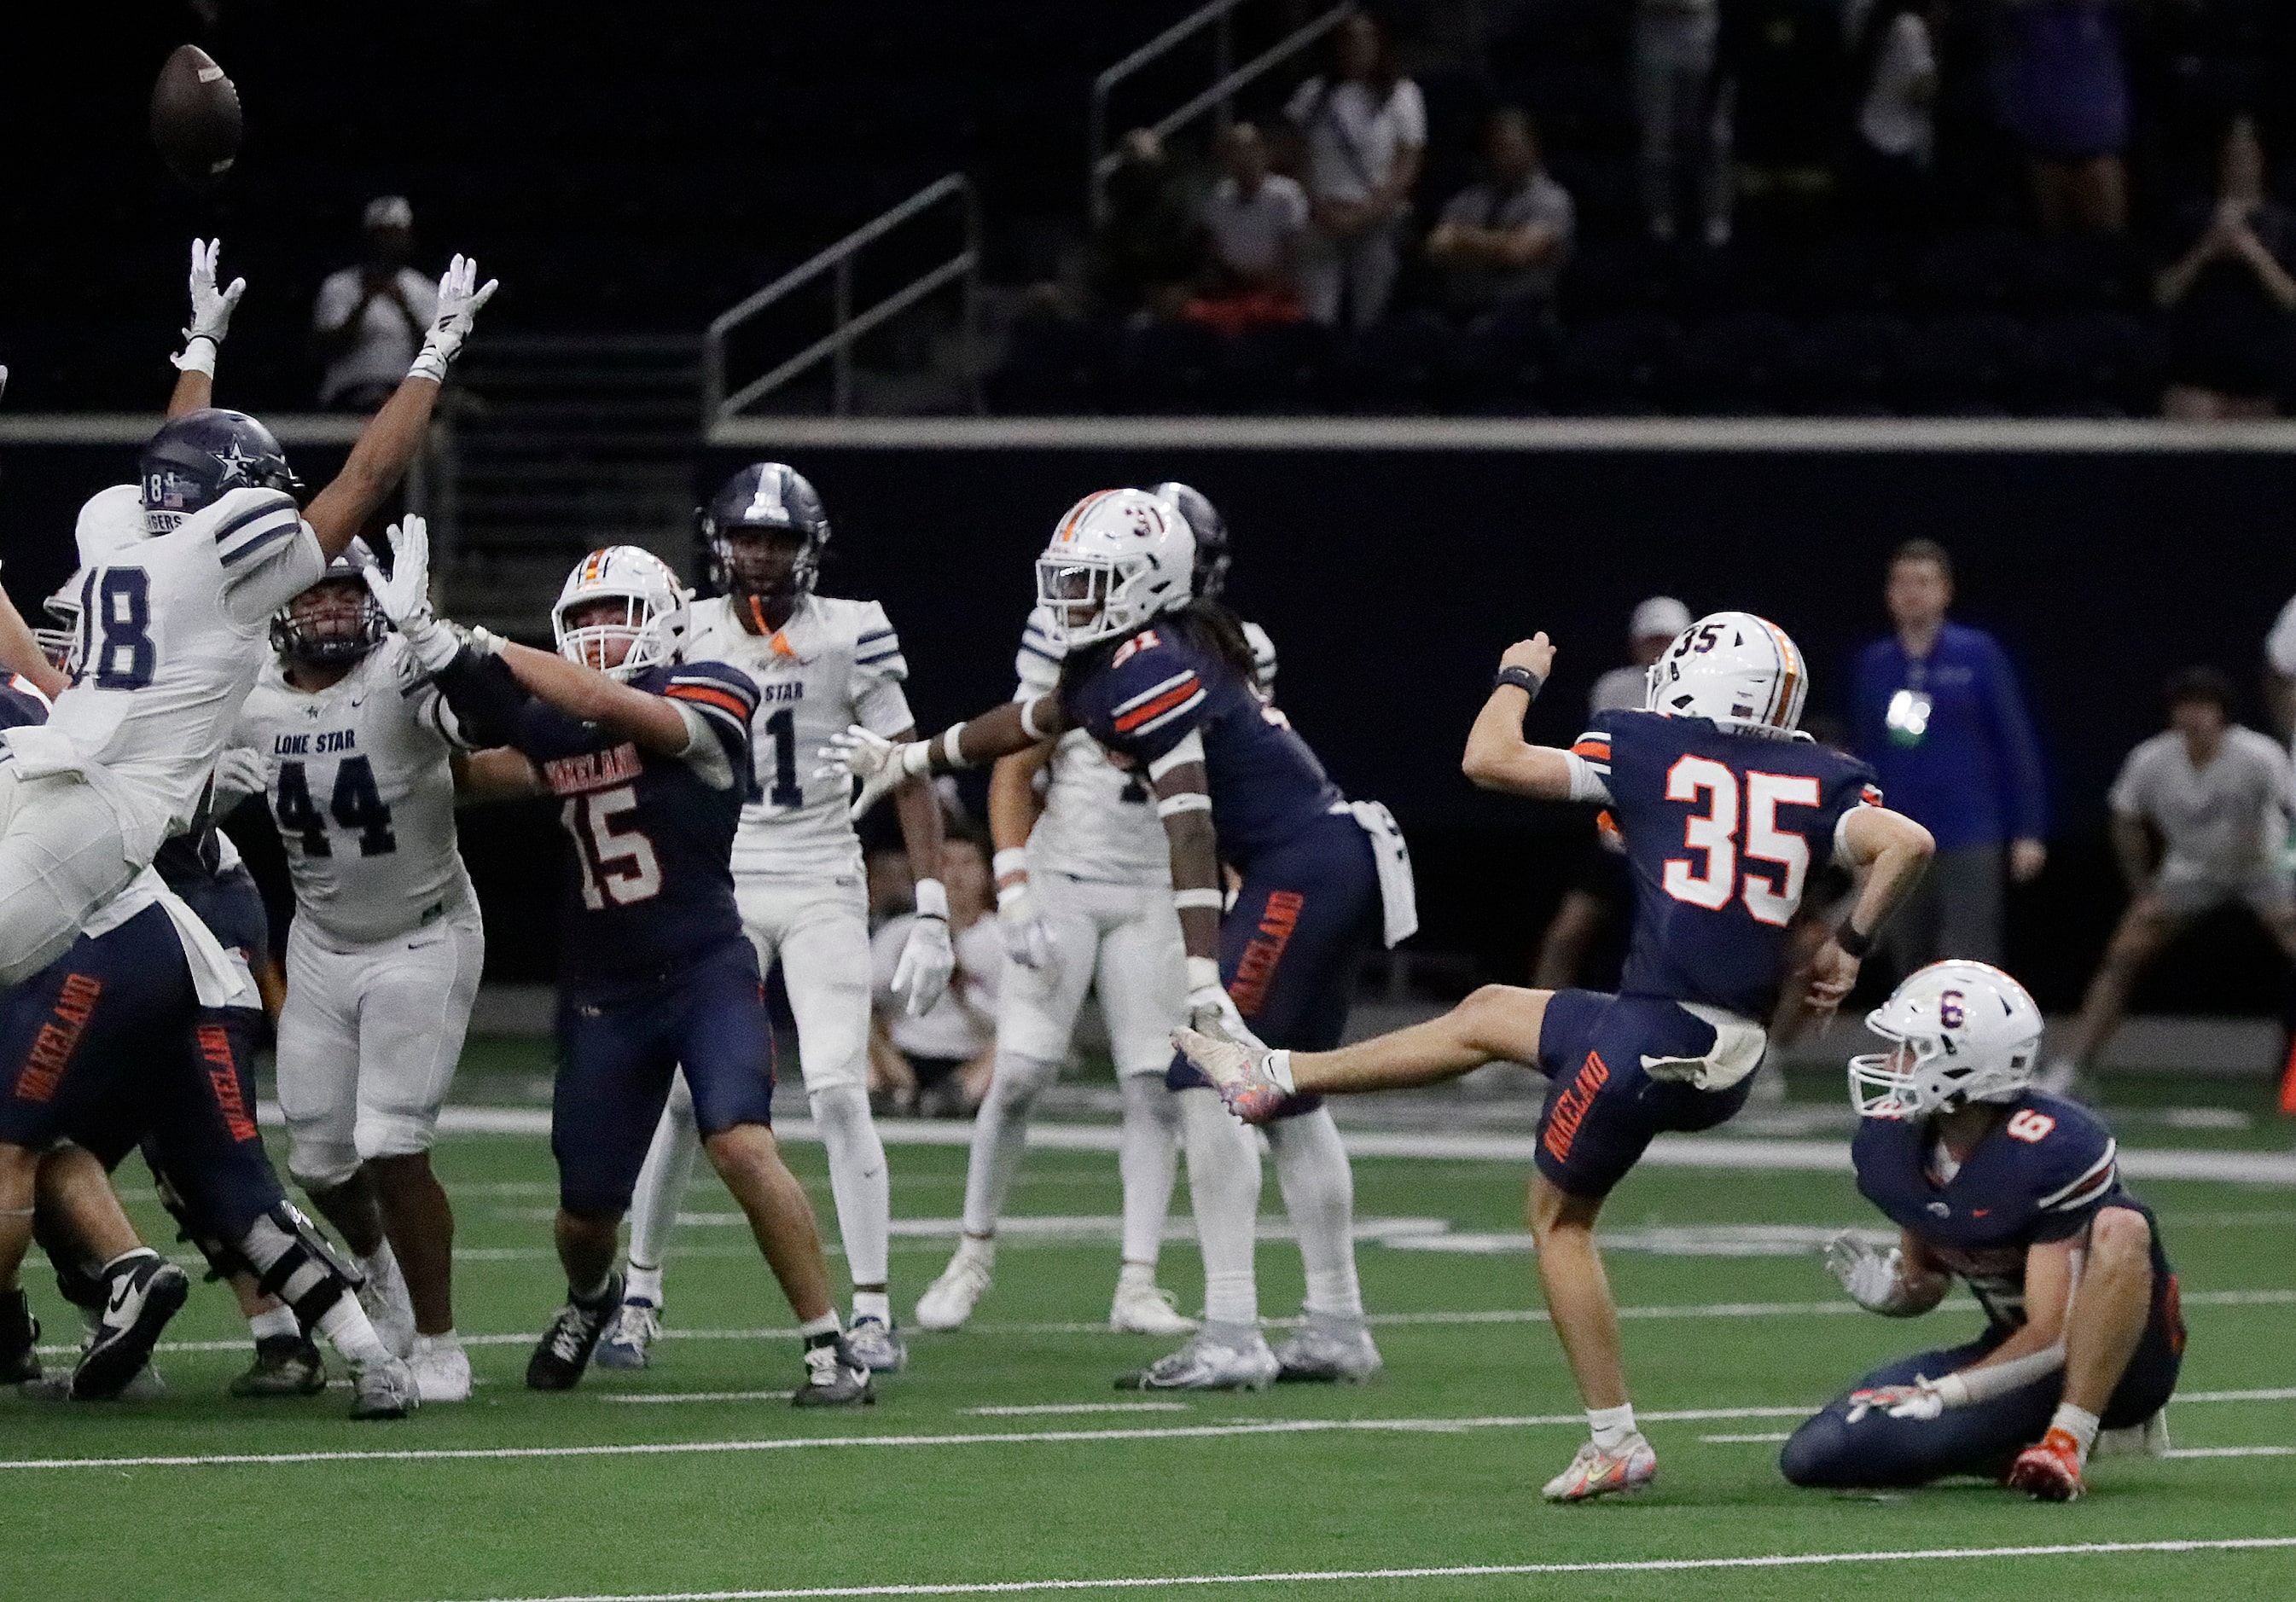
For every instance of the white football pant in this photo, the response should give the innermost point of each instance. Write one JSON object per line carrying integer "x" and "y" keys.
{"x": 63, "y": 856}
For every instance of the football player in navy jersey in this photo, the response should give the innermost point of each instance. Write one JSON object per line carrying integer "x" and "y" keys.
{"x": 2017, "y": 1193}
{"x": 650, "y": 756}
{"x": 1166, "y": 683}
{"x": 1725, "y": 811}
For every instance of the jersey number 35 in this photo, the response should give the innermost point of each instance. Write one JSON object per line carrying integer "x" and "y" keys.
{"x": 1764, "y": 851}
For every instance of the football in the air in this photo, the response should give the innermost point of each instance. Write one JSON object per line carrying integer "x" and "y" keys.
{"x": 195, "y": 120}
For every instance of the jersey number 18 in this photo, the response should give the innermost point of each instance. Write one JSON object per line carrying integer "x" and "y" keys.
{"x": 1715, "y": 836}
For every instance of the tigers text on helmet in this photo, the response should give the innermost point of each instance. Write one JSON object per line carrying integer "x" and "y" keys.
{"x": 1961, "y": 1031}
{"x": 651, "y": 619}
{"x": 1741, "y": 670}
{"x": 1211, "y": 531}
{"x": 195, "y": 459}
{"x": 1118, "y": 559}
{"x": 766, "y": 497}
{"x": 307, "y": 632}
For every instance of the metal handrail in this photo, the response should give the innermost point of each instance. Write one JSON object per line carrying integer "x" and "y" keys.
{"x": 849, "y": 326}
{"x": 1227, "y": 79}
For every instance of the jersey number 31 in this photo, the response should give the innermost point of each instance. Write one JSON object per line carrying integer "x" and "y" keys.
{"x": 1766, "y": 849}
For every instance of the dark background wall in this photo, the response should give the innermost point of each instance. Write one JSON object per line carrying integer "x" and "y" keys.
{"x": 1391, "y": 580}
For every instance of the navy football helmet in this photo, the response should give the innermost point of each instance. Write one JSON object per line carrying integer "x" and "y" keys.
{"x": 195, "y": 459}
{"x": 1210, "y": 529}
{"x": 306, "y": 632}
{"x": 766, "y": 497}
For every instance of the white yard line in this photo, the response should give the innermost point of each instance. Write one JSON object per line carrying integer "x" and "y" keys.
{"x": 1645, "y": 1565}
{"x": 1076, "y": 1407}
{"x": 694, "y": 1395}
{"x": 1754, "y": 1438}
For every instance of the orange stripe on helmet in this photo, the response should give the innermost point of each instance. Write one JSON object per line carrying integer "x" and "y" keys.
{"x": 1788, "y": 674}
{"x": 1066, "y": 532}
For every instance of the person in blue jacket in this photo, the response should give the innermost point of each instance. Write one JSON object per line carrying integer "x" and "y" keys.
{"x": 1938, "y": 712}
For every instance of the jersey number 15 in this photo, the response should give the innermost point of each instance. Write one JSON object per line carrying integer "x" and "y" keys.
{"x": 1765, "y": 849}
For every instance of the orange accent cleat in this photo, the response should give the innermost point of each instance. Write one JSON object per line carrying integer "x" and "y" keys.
{"x": 1595, "y": 1471}
{"x": 2288, "y": 1081}
{"x": 2050, "y": 1472}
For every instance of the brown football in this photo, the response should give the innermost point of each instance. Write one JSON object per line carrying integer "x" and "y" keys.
{"x": 195, "y": 120}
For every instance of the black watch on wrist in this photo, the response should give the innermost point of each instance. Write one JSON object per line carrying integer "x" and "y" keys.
{"x": 1521, "y": 678}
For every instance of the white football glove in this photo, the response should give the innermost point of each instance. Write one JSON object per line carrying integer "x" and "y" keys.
{"x": 875, "y": 761}
{"x": 458, "y": 310}
{"x": 1212, "y": 1010}
{"x": 240, "y": 771}
{"x": 1874, "y": 1278}
{"x": 404, "y": 597}
{"x": 1921, "y": 1400}
{"x": 928, "y": 956}
{"x": 212, "y": 309}
{"x": 1021, "y": 921}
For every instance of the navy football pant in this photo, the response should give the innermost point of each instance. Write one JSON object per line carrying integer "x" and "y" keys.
{"x": 109, "y": 1047}
{"x": 1601, "y": 1109}
{"x": 1829, "y": 1451}
{"x": 617, "y": 1047}
{"x": 1291, "y": 946}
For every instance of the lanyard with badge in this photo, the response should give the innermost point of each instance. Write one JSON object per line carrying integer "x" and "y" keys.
{"x": 1907, "y": 718}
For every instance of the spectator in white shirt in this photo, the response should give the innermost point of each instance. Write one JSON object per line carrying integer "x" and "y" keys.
{"x": 1896, "y": 120}
{"x": 1364, "y": 129}
{"x": 370, "y": 319}
{"x": 1253, "y": 220}
{"x": 939, "y": 1065}
{"x": 1506, "y": 239}
{"x": 2217, "y": 798}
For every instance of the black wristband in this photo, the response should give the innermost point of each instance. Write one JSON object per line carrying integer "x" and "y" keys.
{"x": 1521, "y": 678}
{"x": 1847, "y": 935}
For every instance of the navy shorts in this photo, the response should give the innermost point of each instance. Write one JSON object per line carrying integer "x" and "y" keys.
{"x": 1291, "y": 946}
{"x": 1829, "y": 1451}
{"x": 1601, "y": 1109}
{"x": 617, "y": 1046}
{"x": 109, "y": 1047}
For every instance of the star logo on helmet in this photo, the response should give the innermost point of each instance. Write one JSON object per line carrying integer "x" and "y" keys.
{"x": 235, "y": 463}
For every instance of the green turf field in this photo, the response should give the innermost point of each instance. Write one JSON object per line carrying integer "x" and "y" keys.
{"x": 1434, "y": 1467}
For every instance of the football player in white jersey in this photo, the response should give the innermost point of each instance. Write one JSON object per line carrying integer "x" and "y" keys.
{"x": 351, "y": 749}
{"x": 821, "y": 665}
{"x": 1084, "y": 902}
{"x": 172, "y": 635}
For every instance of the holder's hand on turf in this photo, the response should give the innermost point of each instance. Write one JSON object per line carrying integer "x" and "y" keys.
{"x": 405, "y": 596}
{"x": 875, "y": 761}
{"x": 458, "y": 309}
{"x": 1251, "y": 1082}
{"x": 1921, "y": 1399}
{"x": 212, "y": 309}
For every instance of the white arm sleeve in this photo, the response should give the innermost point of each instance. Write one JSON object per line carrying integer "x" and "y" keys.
{"x": 1966, "y": 1387}
{"x": 704, "y": 752}
{"x": 880, "y": 705}
{"x": 1586, "y": 783}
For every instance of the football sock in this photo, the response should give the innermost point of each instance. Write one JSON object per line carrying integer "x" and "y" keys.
{"x": 574, "y": 1293}
{"x": 1000, "y": 1136}
{"x": 381, "y": 1267}
{"x": 1148, "y": 1157}
{"x": 858, "y": 1180}
{"x": 873, "y": 1304}
{"x": 661, "y": 1191}
{"x": 2078, "y": 1423}
{"x": 645, "y": 1283}
{"x": 1319, "y": 1193}
{"x": 1614, "y": 1426}
{"x": 274, "y": 1321}
{"x": 977, "y": 1248}
{"x": 345, "y": 1324}
{"x": 820, "y": 1331}
{"x": 1223, "y": 1190}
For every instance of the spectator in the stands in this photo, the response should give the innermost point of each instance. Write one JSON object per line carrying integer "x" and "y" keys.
{"x": 369, "y": 320}
{"x": 2061, "y": 87}
{"x": 1146, "y": 249}
{"x": 2230, "y": 295}
{"x": 1364, "y": 126}
{"x": 1254, "y": 219}
{"x": 1684, "y": 114}
{"x": 1505, "y": 239}
{"x": 1937, "y": 710}
{"x": 1896, "y": 143}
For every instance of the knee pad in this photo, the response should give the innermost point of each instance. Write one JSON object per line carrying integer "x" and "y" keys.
{"x": 1811, "y": 1457}
{"x": 296, "y": 1264}
{"x": 846, "y": 1106}
{"x": 392, "y": 1135}
{"x": 320, "y": 1165}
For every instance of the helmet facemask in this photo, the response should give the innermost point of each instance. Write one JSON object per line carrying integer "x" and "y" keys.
{"x": 644, "y": 628}
{"x": 1926, "y": 1073}
{"x": 57, "y": 643}
{"x": 1094, "y": 597}
{"x": 336, "y": 620}
{"x": 749, "y": 567}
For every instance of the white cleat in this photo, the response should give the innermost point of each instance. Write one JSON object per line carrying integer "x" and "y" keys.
{"x": 949, "y": 1300}
{"x": 628, "y": 1341}
{"x": 1143, "y": 1307}
{"x": 1329, "y": 1349}
{"x": 1211, "y": 1361}
{"x": 1595, "y": 1471}
{"x": 441, "y": 1368}
{"x": 384, "y": 1390}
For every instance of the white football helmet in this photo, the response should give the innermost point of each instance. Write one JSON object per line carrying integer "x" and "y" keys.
{"x": 109, "y": 521}
{"x": 653, "y": 613}
{"x": 1118, "y": 559}
{"x": 1742, "y": 671}
{"x": 1961, "y": 1032}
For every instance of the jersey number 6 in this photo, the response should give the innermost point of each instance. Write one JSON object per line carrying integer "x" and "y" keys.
{"x": 619, "y": 863}
{"x": 1715, "y": 836}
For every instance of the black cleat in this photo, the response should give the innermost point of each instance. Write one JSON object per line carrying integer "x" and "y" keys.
{"x": 141, "y": 1294}
{"x": 565, "y": 1348}
{"x": 20, "y": 1340}
{"x": 834, "y": 1377}
{"x": 285, "y": 1365}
